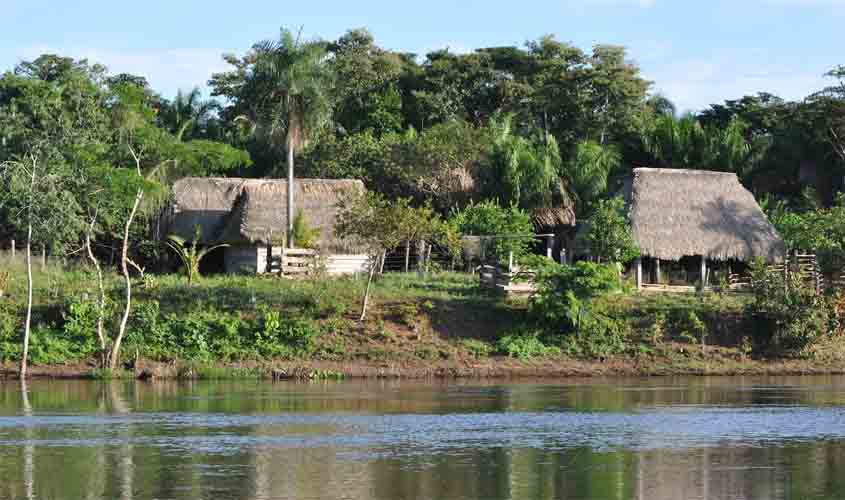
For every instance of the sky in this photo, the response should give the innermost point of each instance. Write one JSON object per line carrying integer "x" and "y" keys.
{"x": 697, "y": 52}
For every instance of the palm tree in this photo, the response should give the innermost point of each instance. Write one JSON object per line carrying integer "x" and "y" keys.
{"x": 685, "y": 143}
{"x": 186, "y": 112}
{"x": 288, "y": 83}
{"x": 587, "y": 172}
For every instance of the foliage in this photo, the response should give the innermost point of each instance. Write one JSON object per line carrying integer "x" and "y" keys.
{"x": 522, "y": 172}
{"x": 304, "y": 235}
{"x": 587, "y": 172}
{"x": 565, "y": 306}
{"x": 525, "y": 345}
{"x": 787, "y": 313}
{"x": 608, "y": 235}
{"x": 821, "y": 230}
{"x": 477, "y": 348}
{"x": 190, "y": 254}
{"x": 488, "y": 218}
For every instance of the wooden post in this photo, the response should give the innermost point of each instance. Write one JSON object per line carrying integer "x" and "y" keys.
{"x": 407, "y": 255}
{"x": 13, "y": 249}
{"x": 703, "y": 275}
{"x": 510, "y": 262}
{"x": 657, "y": 270}
{"x": 549, "y": 244}
{"x": 639, "y": 266}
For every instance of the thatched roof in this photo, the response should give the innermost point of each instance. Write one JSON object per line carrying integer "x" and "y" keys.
{"x": 677, "y": 213}
{"x": 239, "y": 211}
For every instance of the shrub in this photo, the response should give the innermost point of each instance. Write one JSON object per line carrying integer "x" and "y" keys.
{"x": 9, "y": 324}
{"x": 489, "y": 219}
{"x": 304, "y": 236}
{"x": 80, "y": 324}
{"x": 525, "y": 346}
{"x": 564, "y": 292}
{"x": 477, "y": 348}
{"x": 565, "y": 306}
{"x": 285, "y": 337}
{"x": 787, "y": 313}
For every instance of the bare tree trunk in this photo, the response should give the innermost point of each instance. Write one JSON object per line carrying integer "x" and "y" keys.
{"x": 366, "y": 301}
{"x": 29, "y": 285}
{"x": 383, "y": 259}
{"x": 101, "y": 305}
{"x": 114, "y": 357}
{"x": 407, "y": 255}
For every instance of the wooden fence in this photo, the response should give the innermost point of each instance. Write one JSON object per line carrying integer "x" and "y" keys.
{"x": 294, "y": 262}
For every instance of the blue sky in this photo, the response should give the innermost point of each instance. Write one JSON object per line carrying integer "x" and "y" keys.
{"x": 696, "y": 52}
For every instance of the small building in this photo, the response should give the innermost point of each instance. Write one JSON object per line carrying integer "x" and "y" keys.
{"x": 250, "y": 215}
{"x": 697, "y": 217}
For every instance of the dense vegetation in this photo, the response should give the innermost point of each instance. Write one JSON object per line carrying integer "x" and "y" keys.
{"x": 503, "y": 140}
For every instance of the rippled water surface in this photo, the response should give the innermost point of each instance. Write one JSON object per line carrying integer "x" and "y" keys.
{"x": 647, "y": 439}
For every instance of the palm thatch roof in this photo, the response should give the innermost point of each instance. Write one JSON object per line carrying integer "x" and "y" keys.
{"x": 252, "y": 211}
{"x": 676, "y": 213}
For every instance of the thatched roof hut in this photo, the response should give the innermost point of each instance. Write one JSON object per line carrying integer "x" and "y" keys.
{"x": 253, "y": 211}
{"x": 677, "y": 213}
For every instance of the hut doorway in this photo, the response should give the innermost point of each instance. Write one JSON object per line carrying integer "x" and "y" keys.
{"x": 214, "y": 262}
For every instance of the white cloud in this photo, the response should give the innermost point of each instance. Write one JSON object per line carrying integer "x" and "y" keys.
{"x": 697, "y": 83}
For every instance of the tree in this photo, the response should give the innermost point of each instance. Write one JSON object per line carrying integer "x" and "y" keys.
{"x": 511, "y": 224}
{"x": 146, "y": 148}
{"x": 282, "y": 90}
{"x": 366, "y": 89}
{"x": 51, "y": 124}
{"x": 608, "y": 235}
{"x": 187, "y": 115}
{"x": 587, "y": 172}
{"x": 381, "y": 226}
{"x": 38, "y": 201}
{"x": 522, "y": 171}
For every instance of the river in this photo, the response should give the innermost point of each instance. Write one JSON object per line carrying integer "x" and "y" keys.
{"x": 723, "y": 438}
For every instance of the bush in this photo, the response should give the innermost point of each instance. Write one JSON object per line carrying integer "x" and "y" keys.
{"x": 80, "y": 325}
{"x": 477, "y": 348}
{"x": 285, "y": 337}
{"x": 525, "y": 346}
{"x": 565, "y": 307}
{"x": 9, "y": 336}
{"x": 564, "y": 292}
{"x": 489, "y": 219}
{"x": 787, "y": 313}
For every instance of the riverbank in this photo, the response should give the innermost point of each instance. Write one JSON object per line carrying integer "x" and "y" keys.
{"x": 443, "y": 326}
{"x": 720, "y": 363}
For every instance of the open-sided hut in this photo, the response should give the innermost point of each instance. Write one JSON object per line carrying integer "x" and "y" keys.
{"x": 706, "y": 215}
{"x": 250, "y": 215}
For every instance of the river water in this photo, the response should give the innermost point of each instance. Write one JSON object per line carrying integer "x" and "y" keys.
{"x": 647, "y": 439}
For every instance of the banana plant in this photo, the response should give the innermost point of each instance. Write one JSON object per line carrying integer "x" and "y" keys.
{"x": 190, "y": 254}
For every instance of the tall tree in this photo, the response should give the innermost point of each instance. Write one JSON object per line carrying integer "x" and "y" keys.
{"x": 50, "y": 118}
{"x": 281, "y": 89}
{"x": 187, "y": 115}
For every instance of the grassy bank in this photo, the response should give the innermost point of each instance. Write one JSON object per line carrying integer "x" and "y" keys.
{"x": 266, "y": 327}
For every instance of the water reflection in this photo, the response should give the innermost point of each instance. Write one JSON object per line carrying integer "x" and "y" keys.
{"x": 649, "y": 439}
